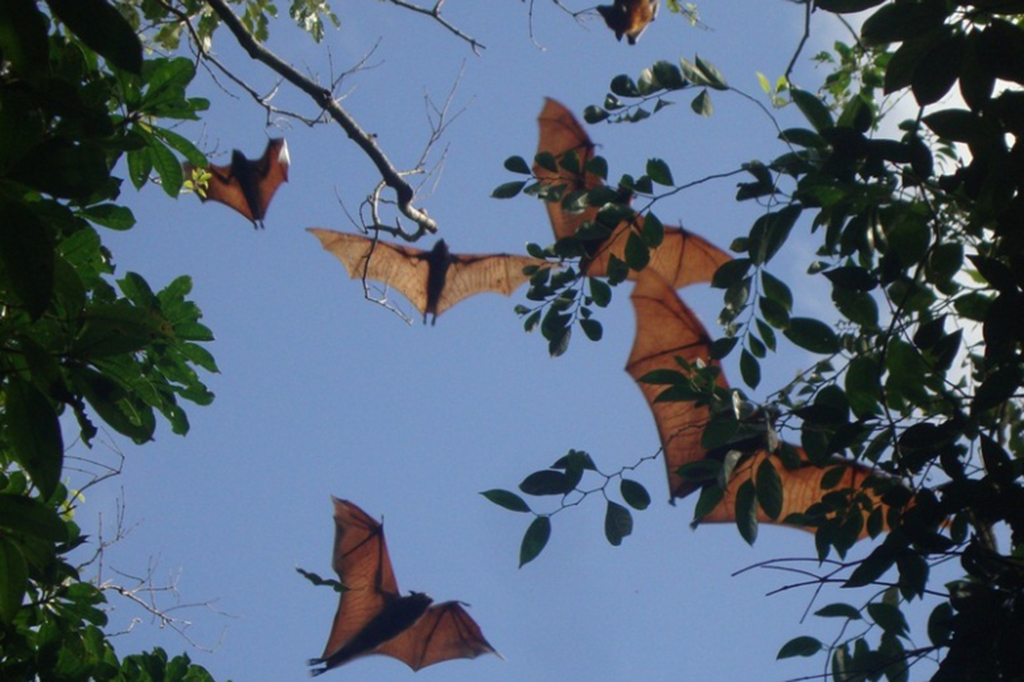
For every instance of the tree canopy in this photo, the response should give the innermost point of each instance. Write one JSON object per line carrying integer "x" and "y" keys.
{"x": 912, "y": 225}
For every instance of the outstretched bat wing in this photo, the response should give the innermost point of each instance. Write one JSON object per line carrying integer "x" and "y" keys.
{"x": 474, "y": 274}
{"x": 666, "y": 328}
{"x": 682, "y": 258}
{"x": 401, "y": 267}
{"x": 803, "y": 487}
{"x": 433, "y": 281}
{"x": 444, "y": 632}
{"x": 364, "y": 568}
{"x": 248, "y": 186}
{"x": 561, "y": 133}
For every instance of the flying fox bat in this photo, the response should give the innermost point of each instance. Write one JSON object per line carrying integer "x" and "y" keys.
{"x": 682, "y": 258}
{"x": 372, "y": 617}
{"x": 434, "y": 280}
{"x": 245, "y": 185}
{"x": 666, "y": 328}
{"x": 629, "y": 17}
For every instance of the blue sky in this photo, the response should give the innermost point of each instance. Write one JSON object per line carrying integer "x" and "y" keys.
{"x": 323, "y": 393}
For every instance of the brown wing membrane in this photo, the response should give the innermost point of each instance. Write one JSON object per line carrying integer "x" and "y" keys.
{"x": 444, "y": 632}
{"x": 475, "y": 274}
{"x": 399, "y": 267}
{"x": 682, "y": 258}
{"x": 666, "y": 328}
{"x": 364, "y": 568}
{"x": 801, "y": 488}
{"x": 561, "y": 133}
{"x": 434, "y": 280}
{"x": 629, "y": 18}
{"x": 373, "y": 618}
{"x": 248, "y": 186}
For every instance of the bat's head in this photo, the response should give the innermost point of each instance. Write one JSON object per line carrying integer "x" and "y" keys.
{"x": 420, "y": 599}
{"x": 615, "y": 17}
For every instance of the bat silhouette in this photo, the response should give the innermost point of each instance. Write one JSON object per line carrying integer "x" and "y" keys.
{"x": 245, "y": 185}
{"x": 682, "y": 258}
{"x": 434, "y": 280}
{"x": 372, "y": 617}
{"x": 629, "y": 17}
{"x": 666, "y": 328}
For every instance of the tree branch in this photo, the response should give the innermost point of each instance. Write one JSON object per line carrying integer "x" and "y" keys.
{"x": 325, "y": 99}
{"x": 435, "y": 13}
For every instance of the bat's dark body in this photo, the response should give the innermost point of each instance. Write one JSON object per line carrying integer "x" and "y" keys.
{"x": 629, "y": 17}
{"x": 434, "y": 280}
{"x": 372, "y": 617}
{"x": 682, "y": 258}
{"x": 245, "y": 185}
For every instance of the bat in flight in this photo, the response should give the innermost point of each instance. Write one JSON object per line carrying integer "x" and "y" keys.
{"x": 667, "y": 328}
{"x": 629, "y": 17}
{"x": 373, "y": 618}
{"x": 245, "y": 185}
{"x": 682, "y": 258}
{"x": 434, "y": 280}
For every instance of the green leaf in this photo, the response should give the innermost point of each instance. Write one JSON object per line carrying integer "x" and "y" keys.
{"x": 712, "y": 76}
{"x": 508, "y": 189}
{"x": 659, "y": 172}
{"x": 746, "y": 512}
{"x": 896, "y": 22}
{"x": 872, "y": 567}
{"x": 34, "y": 433}
{"x": 26, "y": 515}
{"x": 750, "y": 369}
{"x": 618, "y": 523}
{"x": 635, "y": 495}
{"x": 546, "y": 482}
{"x": 730, "y": 272}
{"x": 940, "y": 625}
{"x": 62, "y": 169}
{"x": 769, "y": 489}
{"x": 109, "y": 215}
{"x": 592, "y": 328}
{"x": 799, "y": 646}
{"x": 600, "y": 292}
{"x": 103, "y": 29}
{"x": 13, "y": 579}
{"x": 997, "y": 388}
{"x": 534, "y": 540}
{"x": 839, "y": 611}
{"x": 507, "y": 499}
{"x": 776, "y": 290}
{"x": 814, "y": 110}
{"x": 863, "y": 386}
{"x": 517, "y": 164}
{"x": 889, "y": 617}
{"x": 637, "y": 253}
{"x": 813, "y": 335}
{"x": 26, "y": 252}
{"x": 702, "y": 104}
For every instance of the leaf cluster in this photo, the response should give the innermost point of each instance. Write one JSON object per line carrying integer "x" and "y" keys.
{"x": 76, "y": 96}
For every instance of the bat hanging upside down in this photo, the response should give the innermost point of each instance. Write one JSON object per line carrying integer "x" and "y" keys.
{"x": 629, "y": 17}
{"x": 434, "y": 280}
{"x": 373, "y": 618}
{"x": 245, "y": 185}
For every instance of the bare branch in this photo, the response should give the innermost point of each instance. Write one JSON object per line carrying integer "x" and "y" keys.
{"x": 324, "y": 98}
{"x": 435, "y": 13}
